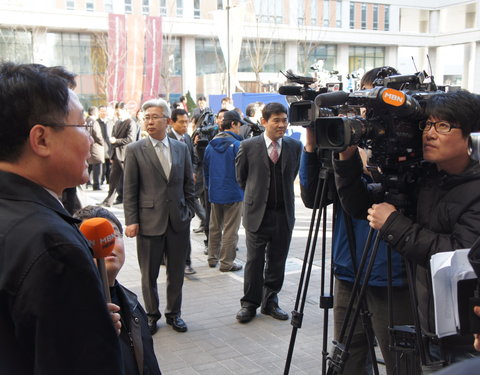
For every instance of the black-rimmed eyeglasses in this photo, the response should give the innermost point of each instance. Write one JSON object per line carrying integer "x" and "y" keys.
{"x": 86, "y": 127}
{"x": 441, "y": 127}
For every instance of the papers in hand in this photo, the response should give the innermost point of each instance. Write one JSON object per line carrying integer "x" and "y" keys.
{"x": 447, "y": 269}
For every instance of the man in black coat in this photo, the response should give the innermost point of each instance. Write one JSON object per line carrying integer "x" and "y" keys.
{"x": 447, "y": 201}
{"x": 53, "y": 315}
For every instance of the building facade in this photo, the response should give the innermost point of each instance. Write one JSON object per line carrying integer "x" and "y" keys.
{"x": 132, "y": 49}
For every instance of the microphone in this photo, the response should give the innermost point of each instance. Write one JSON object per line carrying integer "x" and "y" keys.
{"x": 330, "y": 99}
{"x": 100, "y": 235}
{"x": 290, "y": 90}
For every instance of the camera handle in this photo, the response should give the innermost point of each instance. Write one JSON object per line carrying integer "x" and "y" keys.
{"x": 325, "y": 183}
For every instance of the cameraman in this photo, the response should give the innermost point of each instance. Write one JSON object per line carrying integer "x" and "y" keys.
{"x": 251, "y": 126}
{"x": 346, "y": 264}
{"x": 447, "y": 203}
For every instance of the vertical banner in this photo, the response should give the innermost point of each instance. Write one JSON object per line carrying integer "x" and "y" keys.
{"x": 117, "y": 57}
{"x": 153, "y": 57}
{"x": 136, "y": 50}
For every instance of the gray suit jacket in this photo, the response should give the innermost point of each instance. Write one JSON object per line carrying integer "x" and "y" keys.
{"x": 253, "y": 176}
{"x": 149, "y": 199}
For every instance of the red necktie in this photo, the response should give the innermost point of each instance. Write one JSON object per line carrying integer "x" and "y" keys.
{"x": 274, "y": 153}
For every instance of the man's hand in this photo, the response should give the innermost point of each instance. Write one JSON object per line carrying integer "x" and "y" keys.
{"x": 117, "y": 324}
{"x": 310, "y": 140}
{"x": 347, "y": 153}
{"x": 379, "y": 213}
{"x": 131, "y": 230}
{"x": 476, "y": 342}
{"x": 113, "y": 140}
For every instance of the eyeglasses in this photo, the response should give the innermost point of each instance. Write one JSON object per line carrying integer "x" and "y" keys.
{"x": 86, "y": 127}
{"x": 154, "y": 118}
{"x": 441, "y": 127}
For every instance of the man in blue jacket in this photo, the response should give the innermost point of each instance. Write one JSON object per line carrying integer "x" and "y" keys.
{"x": 224, "y": 193}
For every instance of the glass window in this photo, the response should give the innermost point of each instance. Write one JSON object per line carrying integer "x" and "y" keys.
{"x": 71, "y": 50}
{"x": 269, "y": 11}
{"x": 145, "y": 7}
{"x": 313, "y": 12}
{"x": 352, "y": 15}
{"x": 209, "y": 57}
{"x": 172, "y": 55}
{"x": 365, "y": 57}
{"x": 387, "y": 18}
{"x": 338, "y": 14}
{"x": 272, "y": 53}
{"x": 179, "y": 8}
{"x": 89, "y": 6}
{"x": 309, "y": 54}
{"x": 163, "y": 7}
{"x": 219, "y": 4}
{"x": 70, "y": 4}
{"x": 364, "y": 16}
{"x": 301, "y": 13}
{"x": 128, "y": 6}
{"x": 375, "y": 17}
{"x": 196, "y": 9}
{"x": 16, "y": 46}
{"x": 326, "y": 13}
{"x": 109, "y": 6}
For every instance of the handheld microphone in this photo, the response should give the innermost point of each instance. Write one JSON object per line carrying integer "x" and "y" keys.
{"x": 290, "y": 90}
{"x": 330, "y": 99}
{"x": 100, "y": 234}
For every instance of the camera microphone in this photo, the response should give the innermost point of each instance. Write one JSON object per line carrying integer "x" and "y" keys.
{"x": 330, "y": 99}
{"x": 290, "y": 90}
{"x": 100, "y": 234}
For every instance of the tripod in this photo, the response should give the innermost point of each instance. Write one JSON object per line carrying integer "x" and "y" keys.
{"x": 325, "y": 191}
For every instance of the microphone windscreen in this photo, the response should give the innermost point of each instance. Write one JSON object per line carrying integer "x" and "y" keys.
{"x": 330, "y": 99}
{"x": 100, "y": 234}
{"x": 290, "y": 90}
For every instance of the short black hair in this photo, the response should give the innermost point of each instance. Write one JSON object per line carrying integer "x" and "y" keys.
{"x": 89, "y": 212}
{"x": 457, "y": 107}
{"x": 273, "y": 109}
{"x": 30, "y": 94}
{"x": 369, "y": 77}
{"x": 181, "y": 99}
{"x": 251, "y": 109}
{"x": 178, "y": 112}
{"x": 119, "y": 105}
{"x": 91, "y": 110}
{"x": 202, "y": 98}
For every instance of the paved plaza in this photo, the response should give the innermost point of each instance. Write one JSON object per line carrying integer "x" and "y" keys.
{"x": 215, "y": 342}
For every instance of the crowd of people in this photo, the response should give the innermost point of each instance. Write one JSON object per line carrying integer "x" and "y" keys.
{"x": 164, "y": 169}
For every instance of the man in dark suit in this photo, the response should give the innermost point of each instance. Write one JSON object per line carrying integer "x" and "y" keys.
{"x": 122, "y": 135}
{"x": 158, "y": 204}
{"x": 266, "y": 167}
{"x": 178, "y": 131}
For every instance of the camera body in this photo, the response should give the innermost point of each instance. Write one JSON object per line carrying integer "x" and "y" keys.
{"x": 206, "y": 129}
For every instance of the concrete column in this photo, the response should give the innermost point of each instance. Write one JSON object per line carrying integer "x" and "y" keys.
{"x": 475, "y": 66}
{"x": 187, "y": 8}
{"x": 391, "y": 56}
{"x": 433, "y": 21}
{"x": 394, "y": 18}
{"x": 346, "y": 14}
{"x": 293, "y": 12}
{"x": 468, "y": 62}
{"x": 342, "y": 63}
{"x": 477, "y": 17}
{"x": 189, "y": 74}
{"x": 291, "y": 53}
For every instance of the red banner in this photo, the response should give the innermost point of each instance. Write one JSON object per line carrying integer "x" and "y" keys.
{"x": 117, "y": 57}
{"x": 153, "y": 57}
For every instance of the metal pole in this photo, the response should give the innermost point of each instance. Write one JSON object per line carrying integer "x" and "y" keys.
{"x": 228, "y": 48}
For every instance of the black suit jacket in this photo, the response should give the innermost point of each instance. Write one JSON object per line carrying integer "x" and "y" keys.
{"x": 253, "y": 176}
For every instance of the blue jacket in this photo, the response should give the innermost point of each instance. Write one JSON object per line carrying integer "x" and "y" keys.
{"x": 343, "y": 265}
{"x": 219, "y": 168}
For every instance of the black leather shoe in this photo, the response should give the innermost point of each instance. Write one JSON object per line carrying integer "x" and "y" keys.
{"x": 246, "y": 314}
{"x": 275, "y": 312}
{"x": 177, "y": 324}
{"x": 235, "y": 267}
{"x": 152, "y": 324}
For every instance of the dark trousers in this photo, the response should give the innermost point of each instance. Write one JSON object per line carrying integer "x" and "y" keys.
{"x": 267, "y": 251}
{"x": 151, "y": 250}
{"x": 95, "y": 170}
{"x": 116, "y": 177}
{"x": 105, "y": 177}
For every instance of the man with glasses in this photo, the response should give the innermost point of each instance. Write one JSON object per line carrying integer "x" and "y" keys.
{"x": 53, "y": 315}
{"x": 447, "y": 202}
{"x": 158, "y": 204}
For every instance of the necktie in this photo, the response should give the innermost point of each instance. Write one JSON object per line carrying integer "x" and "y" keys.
{"x": 274, "y": 152}
{"x": 161, "y": 152}
{"x": 182, "y": 139}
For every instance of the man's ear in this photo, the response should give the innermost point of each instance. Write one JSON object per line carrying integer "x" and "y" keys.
{"x": 263, "y": 121}
{"x": 39, "y": 140}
